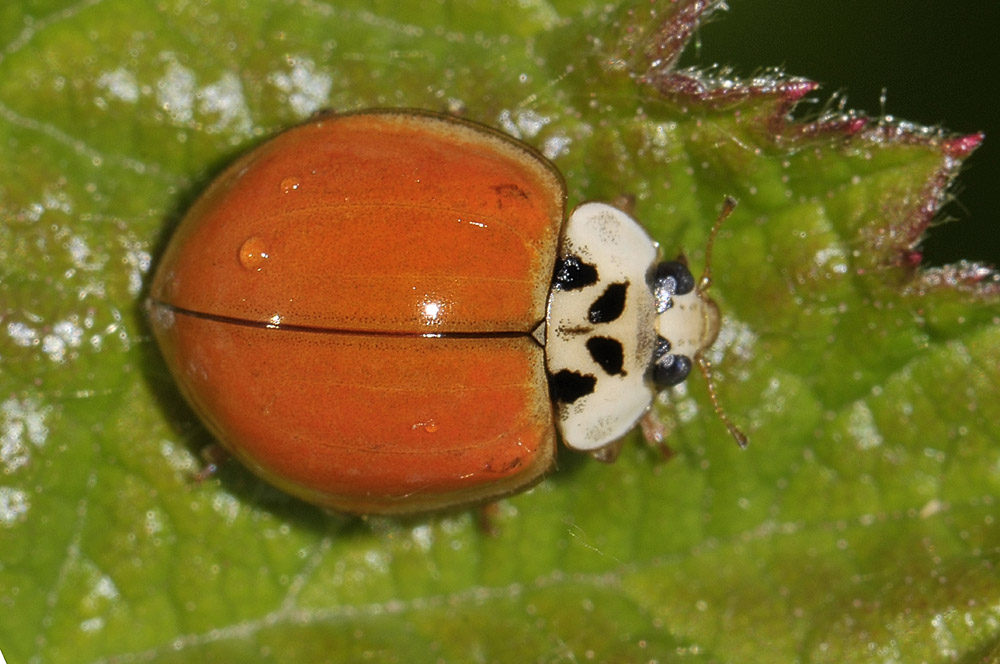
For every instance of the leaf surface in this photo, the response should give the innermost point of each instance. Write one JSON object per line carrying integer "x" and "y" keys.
{"x": 858, "y": 526}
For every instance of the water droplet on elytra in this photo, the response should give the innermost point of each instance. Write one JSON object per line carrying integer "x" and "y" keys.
{"x": 290, "y": 184}
{"x": 430, "y": 426}
{"x": 253, "y": 253}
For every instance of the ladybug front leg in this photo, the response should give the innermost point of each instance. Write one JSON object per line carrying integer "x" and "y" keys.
{"x": 656, "y": 431}
{"x": 213, "y": 455}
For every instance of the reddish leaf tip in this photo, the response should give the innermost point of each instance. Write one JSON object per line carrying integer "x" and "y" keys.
{"x": 854, "y": 124}
{"x": 796, "y": 89}
{"x": 966, "y": 276}
{"x": 912, "y": 258}
{"x": 654, "y": 49}
{"x": 845, "y": 124}
{"x": 963, "y": 146}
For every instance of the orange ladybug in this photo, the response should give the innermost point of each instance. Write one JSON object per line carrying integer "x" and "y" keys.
{"x": 388, "y": 312}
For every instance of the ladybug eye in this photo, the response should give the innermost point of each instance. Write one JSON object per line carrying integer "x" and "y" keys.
{"x": 671, "y": 370}
{"x": 671, "y": 278}
{"x": 668, "y": 369}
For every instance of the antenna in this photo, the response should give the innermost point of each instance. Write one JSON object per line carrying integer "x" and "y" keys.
{"x": 704, "y": 366}
{"x": 728, "y": 206}
{"x": 706, "y": 370}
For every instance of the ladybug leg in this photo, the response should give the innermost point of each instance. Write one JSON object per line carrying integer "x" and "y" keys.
{"x": 609, "y": 453}
{"x": 625, "y": 203}
{"x": 656, "y": 432}
{"x": 486, "y": 516}
{"x": 213, "y": 455}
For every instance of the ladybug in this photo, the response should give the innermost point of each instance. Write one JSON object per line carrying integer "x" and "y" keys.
{"x": 388, "y": 312}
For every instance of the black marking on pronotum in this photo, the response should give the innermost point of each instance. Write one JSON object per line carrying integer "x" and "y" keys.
{"x": 608, "y": 353}
{"x": 572, "y": 274}
{"x": 610, "y": 305}
{"x": 229, "y": 320}
{"x": 574, "y": 331}
{"x": 567, "y": 386}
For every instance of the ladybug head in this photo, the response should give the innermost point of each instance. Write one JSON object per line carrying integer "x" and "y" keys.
{"x": 621, "y": 327}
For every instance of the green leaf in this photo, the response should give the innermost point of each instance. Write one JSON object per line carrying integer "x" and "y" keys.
{"x": 858, "y": 526}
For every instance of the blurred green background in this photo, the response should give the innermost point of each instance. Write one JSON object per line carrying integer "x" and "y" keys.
{"x": 938, "y": 63}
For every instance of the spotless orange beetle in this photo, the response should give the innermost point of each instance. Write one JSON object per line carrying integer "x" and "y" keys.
{"x": 388, "y": 312}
